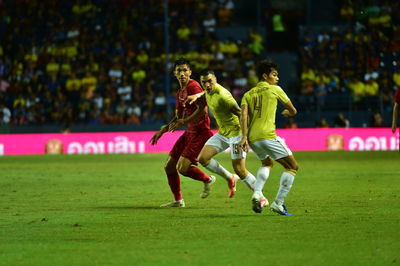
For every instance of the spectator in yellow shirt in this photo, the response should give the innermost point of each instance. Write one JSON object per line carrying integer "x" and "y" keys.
{"x": 183, "y": 32}
{"x": 89, "y": 83}
{"x": 256, "y": 44}
{"x": 73, "y": 88}
{"x": 65, "y": 68}
{"x": 52, "y": 67}
{"x": 308, "y": 74}
{"x": 371, "y": 87}
{"x": 321, "y": 78}
{"x": 138, "y": 75}
{"x": 73, "y": 83}
{"x": 357, "y": 88}
{"x": 142, "y": 58}
{"x": 396, "y": 77}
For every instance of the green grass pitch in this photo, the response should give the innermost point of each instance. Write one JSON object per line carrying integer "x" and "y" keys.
{"x": 103, "y": 210}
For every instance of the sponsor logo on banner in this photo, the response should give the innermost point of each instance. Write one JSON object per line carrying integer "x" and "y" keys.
{"x": 373, "y": 143}
{"x": 121, "y": 144}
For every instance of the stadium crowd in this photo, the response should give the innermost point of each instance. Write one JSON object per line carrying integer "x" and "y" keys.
{"x": 358, "y": 59}
{"x": 97, "y": 61}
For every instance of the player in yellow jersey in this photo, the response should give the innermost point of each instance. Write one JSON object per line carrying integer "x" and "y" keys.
{"x": 258, "y": 130}
{"x": 226, "y": 113}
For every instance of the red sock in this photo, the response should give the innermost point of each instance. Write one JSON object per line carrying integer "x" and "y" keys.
{"x": 197, "y": 174}
{"x": 174, "y": 183}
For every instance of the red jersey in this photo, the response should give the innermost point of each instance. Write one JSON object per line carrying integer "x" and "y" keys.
{"x": 397, "y": 96}
{"x": 203, "y": 122}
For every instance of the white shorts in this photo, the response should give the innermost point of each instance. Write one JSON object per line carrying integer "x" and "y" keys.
{"x": 275, "y": 148}
{"x": 221, "y": 143}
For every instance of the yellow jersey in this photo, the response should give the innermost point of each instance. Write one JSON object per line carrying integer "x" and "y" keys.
{"x": 220, "y": 101}
{"x": 262, "y": 102}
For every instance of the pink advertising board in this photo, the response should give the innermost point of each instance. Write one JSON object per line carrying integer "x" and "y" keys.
{"x": 307, "y": 139}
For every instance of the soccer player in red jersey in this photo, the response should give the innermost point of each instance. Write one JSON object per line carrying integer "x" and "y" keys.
{"x": 395, "y": 110}
{"x": 183, "y": 156}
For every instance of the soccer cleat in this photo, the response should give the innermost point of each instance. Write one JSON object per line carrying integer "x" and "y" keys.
{"x": 178, "y": 203}
{"x": 264, "y": 202}
{"x": 232, "y": 185}
{"x": 207, "y": 187}
{"x": 280, "y": 209}
{"x": 259, "y": 203}
{"x": 256, "y": 205}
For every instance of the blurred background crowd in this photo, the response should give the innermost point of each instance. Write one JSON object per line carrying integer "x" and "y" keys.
{"x": 98, "y": 62}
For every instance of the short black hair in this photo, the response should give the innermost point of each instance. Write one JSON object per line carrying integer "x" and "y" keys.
{"x": 266, "y": 66}
{"x": 182, "y": 61}
{"x": 207, "y": 71}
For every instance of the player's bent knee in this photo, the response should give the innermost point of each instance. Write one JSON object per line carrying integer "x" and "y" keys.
{"x": 181, "y": 169}
{"x": 204, "y": 161}
{"x": 267, "y": 162}
{"x": 290, "y": 165}
{"x": 292, "y": 171}
{"x": 169, "y": 169}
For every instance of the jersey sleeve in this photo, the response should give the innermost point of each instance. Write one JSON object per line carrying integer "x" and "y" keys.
{"x": 228, "y": 99}
{"x": 194, "y": 88}
{"x": 282, "y": 96}
{"x": 397, "y": 96}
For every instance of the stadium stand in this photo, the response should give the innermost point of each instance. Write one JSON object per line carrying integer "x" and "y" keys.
{"x": 99, "y": 65}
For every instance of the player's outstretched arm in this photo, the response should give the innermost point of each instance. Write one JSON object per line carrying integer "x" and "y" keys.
{"x": 395, "y": 117}
{"x": 157, "y": 136}
{"x": 154, "y": 139}
{"x": 192, "y": 98}
{"x": 165, "y": 128}
{"x": 200, "y": 111}
{"x": 290, "y": 110}
{"x": 245, "y": 128}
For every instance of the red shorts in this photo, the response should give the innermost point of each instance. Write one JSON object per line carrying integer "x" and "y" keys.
{"x": 189, "y": 145}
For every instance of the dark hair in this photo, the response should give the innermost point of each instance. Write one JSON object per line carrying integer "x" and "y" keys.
{"x": 266, "y": 66}
{"x": 207, "y": 71}
{"x": 182, "y": 61}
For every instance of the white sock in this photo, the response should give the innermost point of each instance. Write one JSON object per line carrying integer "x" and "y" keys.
{"x": 262, "y": 176}
{"x": 284, "y": 188}
{"x": 249, "y": 180}
{"x": 215, "y": 167}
